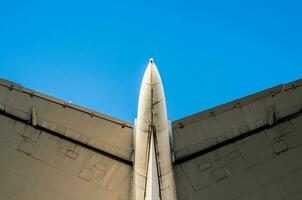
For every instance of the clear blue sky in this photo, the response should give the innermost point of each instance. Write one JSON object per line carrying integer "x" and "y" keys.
{"x": 94, "y": 53}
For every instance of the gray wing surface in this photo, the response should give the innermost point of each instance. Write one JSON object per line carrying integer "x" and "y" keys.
{"x": 52, "y": 149}
{"x": 248, "y": 149}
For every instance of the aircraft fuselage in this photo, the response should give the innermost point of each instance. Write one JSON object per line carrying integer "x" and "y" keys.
{"x": 153, "y": 177}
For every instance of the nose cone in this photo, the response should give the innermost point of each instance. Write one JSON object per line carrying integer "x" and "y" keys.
{"x": 151, "y": 105}
{"x": 151, "y": 75}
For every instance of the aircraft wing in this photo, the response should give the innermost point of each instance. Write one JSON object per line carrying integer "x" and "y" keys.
{"x": 248, "y": 149}
{"x": 52, "y": 149}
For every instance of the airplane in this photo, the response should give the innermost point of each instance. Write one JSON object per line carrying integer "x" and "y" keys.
{"x": 247, "y": 149}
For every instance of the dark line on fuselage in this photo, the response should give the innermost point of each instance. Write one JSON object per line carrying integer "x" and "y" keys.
{"x": 234, "y": 139}
{"x": 156, "y": 159}
{"x": 148, "y": 156}
{"x": 151, "y": 77}
{"x": 127, "y": 162}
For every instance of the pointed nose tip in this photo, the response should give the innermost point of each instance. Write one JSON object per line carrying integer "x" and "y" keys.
{"x": 151, "y": 74}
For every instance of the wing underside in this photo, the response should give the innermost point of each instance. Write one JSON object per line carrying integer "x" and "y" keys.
{"x": 248, "y": 149}
{"x": 52, "y": 149}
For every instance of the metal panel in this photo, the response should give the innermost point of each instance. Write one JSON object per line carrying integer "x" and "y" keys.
{"x": 248, "y": 149}
{"x": 37, "y": 165}
{"x": 254, "y": 168}
{"x": 97, "y": 130}
{"x": 203, "y": 130}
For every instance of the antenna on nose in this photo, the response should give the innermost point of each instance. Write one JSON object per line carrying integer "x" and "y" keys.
{"x": 151, "y": 60}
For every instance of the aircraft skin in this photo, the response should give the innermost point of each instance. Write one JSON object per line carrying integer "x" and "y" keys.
{"x": 246, "y": 149}
{"x": 153, "y": 170}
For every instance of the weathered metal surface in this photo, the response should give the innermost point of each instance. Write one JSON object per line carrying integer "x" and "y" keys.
{"x": 37, "y": 165}
{"x": 248, "y": 149}
{"x": 200, "y": 131}
{"x": 264, "y": 166}
{"x": 97, "y": 130}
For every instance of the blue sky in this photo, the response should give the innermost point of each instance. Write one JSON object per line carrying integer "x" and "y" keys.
{"x": 94, "y": 53}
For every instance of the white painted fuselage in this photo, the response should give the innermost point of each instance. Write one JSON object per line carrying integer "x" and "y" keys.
{"x": 153, "y": 177}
